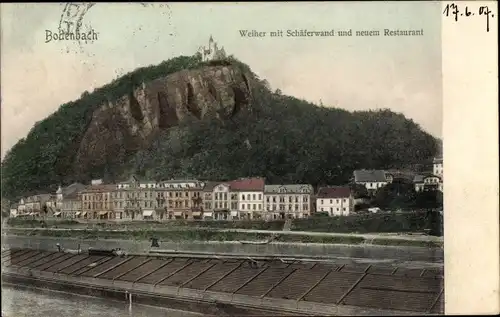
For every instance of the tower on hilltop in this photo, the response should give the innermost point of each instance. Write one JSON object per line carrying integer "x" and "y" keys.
{"x": 212, "y": 52}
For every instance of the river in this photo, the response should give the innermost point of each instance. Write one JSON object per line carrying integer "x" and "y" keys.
{"x": 19, "y": 301}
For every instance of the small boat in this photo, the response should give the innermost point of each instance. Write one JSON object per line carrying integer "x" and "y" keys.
{"x": 255, "y": 242}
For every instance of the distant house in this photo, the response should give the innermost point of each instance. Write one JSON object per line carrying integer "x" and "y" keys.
{"x": 437, "y": 166}
{"x": 371, "y": 179}
{"x": 399, "y": 175}
{"x": 428, "y": 181}
{"x": 337, "y": 200}
{"x": 287, "y": 201}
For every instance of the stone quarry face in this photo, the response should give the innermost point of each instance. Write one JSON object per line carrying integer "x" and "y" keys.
{"x": 133, "y": 120}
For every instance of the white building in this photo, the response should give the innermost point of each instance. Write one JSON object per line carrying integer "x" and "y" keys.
{"x": 238, "y": 199}
{"x": 437, "y": 166}
{"x": 428, "y": 182}
{"x": 371, "y": 179}
{"x": 212, "y": 52}
{"x": 336, "y": 201}
{"x": 287, "y": 201}
{"x": 250, "y": 197}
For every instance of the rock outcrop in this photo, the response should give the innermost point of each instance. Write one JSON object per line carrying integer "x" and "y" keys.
{"x": 130, "y": 123}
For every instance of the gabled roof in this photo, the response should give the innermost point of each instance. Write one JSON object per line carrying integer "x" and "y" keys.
{"x": 289, "y": 189}
{"x": 369, "y": 176}
{"x": 409, "y": 175}
{"x": 247, "y": 184}
{"x": 334, "y": 192}
{"x": 437, "y": 160}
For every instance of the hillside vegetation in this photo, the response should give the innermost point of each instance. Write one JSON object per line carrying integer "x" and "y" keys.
{"x": 285, "y": 139}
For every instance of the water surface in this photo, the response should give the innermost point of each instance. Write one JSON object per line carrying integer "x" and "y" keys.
{"x": 19, "y": 301}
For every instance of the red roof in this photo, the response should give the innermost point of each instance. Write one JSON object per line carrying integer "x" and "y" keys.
{"x": 248, "y": 184}
{"x": 334, "y": 192}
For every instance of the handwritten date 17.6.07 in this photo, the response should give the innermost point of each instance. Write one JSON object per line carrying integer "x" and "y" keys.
{"x": 454, "y": 11}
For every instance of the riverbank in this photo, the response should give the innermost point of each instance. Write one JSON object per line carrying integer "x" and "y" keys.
{"x": 250, "y": 236}
{"x": 411, "y": 222}
{"x": 365, "y": 252}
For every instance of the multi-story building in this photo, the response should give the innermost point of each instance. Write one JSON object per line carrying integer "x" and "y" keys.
{"x": 181, "y": 199}
{"x": 134, "y": 199}
{"x": 249, "y": 197}
{"x": 337, "y": 200}
{"x": 437, "y": 166}
{"x": 427, "y": 181}
{"x": 287, "y": 201}
{"x": 222, "y": 201}
{"x": 371, "y": 179}
{"x": 66, "y": 202}
{"x": 96, "y": 201}
{"x": 36, "y": 205}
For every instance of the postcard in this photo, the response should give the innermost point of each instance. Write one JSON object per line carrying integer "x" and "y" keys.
{"x": 277, "y": 158}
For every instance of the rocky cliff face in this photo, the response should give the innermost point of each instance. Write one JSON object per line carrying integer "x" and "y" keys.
{"x": 133, "y": 120}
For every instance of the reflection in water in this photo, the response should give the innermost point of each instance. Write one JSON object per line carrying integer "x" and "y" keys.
{"x": 24, "y": 302}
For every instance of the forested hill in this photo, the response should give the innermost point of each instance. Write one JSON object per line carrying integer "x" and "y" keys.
{"x": 282, "y": 138}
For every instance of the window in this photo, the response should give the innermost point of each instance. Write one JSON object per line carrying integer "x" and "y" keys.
{"x": 331, "y": 201}
{"x": 337, "y": 201}
{"x": 253, "y": 196}
{"x": 260, "y": 206}
{"x": 331, "y": 209}
{"x": 322, "y": 201}
{"x": 260, "y": 196}
{"x": 254, "y": 206}
{"x": 243, "y": 206}
{"x": 243, "y": 197}
{"x": 267, "y": 199}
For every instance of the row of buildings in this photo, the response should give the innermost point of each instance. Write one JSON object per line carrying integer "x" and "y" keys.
{"x": 245, "y": 198}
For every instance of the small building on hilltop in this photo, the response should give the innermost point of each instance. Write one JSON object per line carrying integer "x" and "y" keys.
{"x": 212, "y": 52}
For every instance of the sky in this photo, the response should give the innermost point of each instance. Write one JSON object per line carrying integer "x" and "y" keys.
{"x": 353, "y": 73}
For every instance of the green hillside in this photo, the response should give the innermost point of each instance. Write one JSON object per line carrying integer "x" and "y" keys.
{"x": 284, "y": 139}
